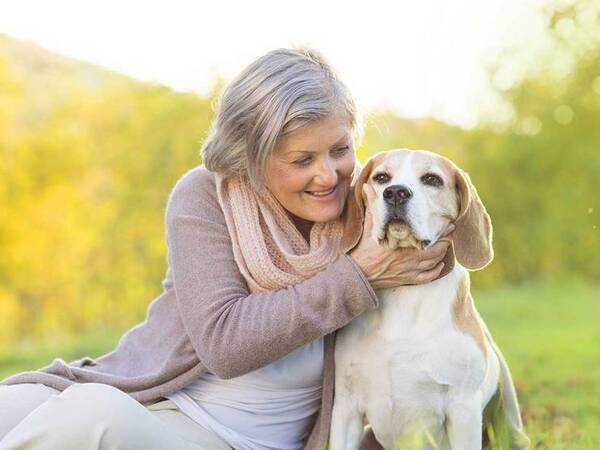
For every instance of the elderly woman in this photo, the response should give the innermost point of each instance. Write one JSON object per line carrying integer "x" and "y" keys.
{"x": 266, "y": 261}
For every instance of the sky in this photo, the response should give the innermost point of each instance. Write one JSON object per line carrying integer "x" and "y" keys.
{"x": 417, "y": 58}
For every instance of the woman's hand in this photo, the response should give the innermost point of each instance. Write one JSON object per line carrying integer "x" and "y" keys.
{"x": 386, "y": 268}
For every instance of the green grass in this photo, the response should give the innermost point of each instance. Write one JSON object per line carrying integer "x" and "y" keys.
{"x": 550, "y": 336}
{"x": 32, "y": 356}
{"x": 548, "y": 332}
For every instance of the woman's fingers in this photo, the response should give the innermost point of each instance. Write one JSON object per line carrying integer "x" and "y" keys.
{"x": 436, "y": 253}
{"x": 368, "y": 224}
{"x": 449, "y": 229}
{"x": 369, "y": 196}
{"x": 436, "y": 250}
{"x": 433, "y": 256}
{"x": 428, "y": 264}
{"x": 429, "y": 275}
{"x": 369, "y": 193}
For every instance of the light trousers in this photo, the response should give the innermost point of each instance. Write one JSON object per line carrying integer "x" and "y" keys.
{"x": 95, "y": 416}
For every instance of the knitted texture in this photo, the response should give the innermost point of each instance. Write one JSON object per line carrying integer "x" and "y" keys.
{"x": 268, "y": 248}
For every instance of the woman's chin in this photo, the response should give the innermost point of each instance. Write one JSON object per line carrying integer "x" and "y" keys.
{"x": 328, "y": 214}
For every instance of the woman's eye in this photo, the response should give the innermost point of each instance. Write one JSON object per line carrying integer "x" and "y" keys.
{"x": 306, "y": 161}
{"x": 381, "y": 178}
{"x": 341, "y": 150}
{"x": 432, "y": 179}
{"x": 303, "y": 162}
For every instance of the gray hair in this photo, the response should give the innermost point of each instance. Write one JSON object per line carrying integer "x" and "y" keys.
{"x": 280, "y": 92}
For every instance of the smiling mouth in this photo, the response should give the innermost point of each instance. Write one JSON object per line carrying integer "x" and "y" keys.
{"x": 321, "y": 193}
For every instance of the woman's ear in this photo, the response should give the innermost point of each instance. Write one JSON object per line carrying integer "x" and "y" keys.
{"x": 472, "y": 237}
{"x": 354, "y": 214}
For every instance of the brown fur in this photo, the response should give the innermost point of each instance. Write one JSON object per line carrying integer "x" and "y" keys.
{"x": 472, "y": 243}
{"x": 472, "y": 238}
{"x": 354, "y": 214}
{"x": 473, "y": 235}
{"x": 465, "y": 317}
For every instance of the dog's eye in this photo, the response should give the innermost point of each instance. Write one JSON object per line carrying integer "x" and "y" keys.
{"x": 431, "y": 179}
{"x": 381, "y": 178}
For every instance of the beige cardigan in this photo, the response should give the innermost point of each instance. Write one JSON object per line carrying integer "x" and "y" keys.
{"x": 206, "y": 318}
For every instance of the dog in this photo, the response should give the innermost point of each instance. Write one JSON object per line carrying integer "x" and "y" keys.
{"x": 422, "y": 368}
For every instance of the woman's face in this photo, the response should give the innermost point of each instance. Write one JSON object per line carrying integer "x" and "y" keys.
{"x": 311, "y": 168}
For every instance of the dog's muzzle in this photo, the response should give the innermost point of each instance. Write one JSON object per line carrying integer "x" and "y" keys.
{"x": 396, "y": 195}
{"x": 399, "y": 233}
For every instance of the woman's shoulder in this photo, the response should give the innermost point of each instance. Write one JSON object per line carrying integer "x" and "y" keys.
{"x": 197, "y": 179}
{"x": 195, "y": 189}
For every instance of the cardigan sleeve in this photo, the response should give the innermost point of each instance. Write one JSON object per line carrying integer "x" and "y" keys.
{"x": 232, "y": 330}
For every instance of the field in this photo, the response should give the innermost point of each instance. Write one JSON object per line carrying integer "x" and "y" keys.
{"x": 548, "y": 332}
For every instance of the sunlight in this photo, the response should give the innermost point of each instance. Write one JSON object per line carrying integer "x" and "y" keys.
{"x": 415, "y": 58}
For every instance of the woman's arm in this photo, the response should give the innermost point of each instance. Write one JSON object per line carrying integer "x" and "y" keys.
{"x": 233, "y": 331}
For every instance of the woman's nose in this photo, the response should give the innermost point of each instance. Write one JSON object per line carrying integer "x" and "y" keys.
{"x": 327, "y": 175}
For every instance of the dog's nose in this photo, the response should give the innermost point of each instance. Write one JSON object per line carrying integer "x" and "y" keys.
{"x": 396, "y": 194}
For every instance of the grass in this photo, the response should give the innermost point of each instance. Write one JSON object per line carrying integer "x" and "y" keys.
{"x": 550, "y": 337}
{"x": 32, "y": 355}
{"x": 548, "y": 333}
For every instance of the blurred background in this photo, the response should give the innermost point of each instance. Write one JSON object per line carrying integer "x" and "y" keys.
{"x": 104, "y": 105}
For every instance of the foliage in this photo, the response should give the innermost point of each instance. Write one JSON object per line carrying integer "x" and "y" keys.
{"x": 537, "y": 172}
{"x": 88, "y": 158}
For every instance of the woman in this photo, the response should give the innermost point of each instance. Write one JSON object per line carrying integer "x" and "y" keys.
{"x": 237, "y": 352}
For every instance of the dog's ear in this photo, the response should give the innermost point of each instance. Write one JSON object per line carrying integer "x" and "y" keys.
{"x": 472, "y": 237}
{"x": 354, "y": 213}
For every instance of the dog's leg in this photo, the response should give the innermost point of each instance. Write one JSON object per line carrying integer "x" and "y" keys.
{"x": 464, "y": 423}
{"x": 346, "y": 424}
{"x": 368, "y": 440}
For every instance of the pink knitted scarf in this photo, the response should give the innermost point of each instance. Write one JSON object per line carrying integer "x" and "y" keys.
{"x": 268, "y": 248}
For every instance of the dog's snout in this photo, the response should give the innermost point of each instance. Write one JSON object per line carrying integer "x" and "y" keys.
{"x": 396, "y": 194}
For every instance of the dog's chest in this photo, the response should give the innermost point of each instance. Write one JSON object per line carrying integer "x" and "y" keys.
{"x": 409, "y": 349}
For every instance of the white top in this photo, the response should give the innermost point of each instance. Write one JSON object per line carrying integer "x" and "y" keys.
{"x": 270, "y": 408}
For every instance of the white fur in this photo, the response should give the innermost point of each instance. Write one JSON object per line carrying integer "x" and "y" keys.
{"x": 411, "y": 372}
{"x": 421, "y": 382}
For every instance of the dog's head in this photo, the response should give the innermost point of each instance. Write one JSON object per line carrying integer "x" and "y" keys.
{"x": 414, "y": 194}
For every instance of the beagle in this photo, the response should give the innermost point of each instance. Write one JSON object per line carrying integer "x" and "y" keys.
{"x": 422, "y": 368}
